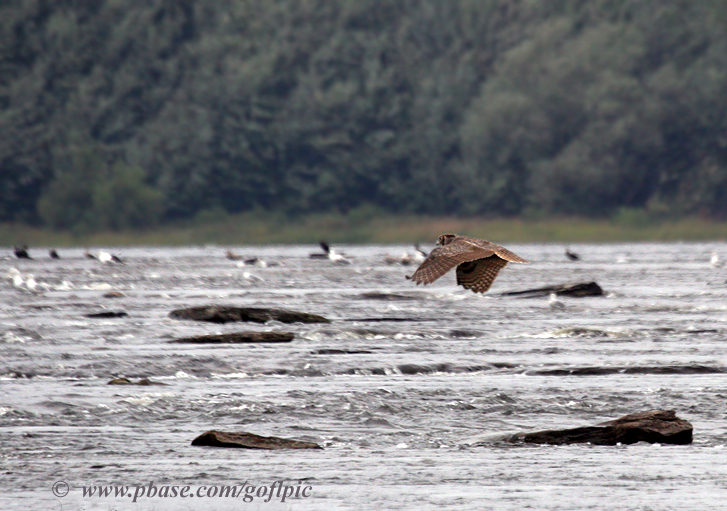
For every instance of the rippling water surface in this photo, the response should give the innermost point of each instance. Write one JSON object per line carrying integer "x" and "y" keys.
{"x": 407, "y": 388}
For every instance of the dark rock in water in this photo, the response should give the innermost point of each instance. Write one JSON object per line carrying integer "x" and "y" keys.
{"x": 148, "y": 382}
{"x": 114, "y": 294}
{"x": 127, "y": 381}
{"x": 603, "y": 370}
{"x": 382, "y": 320}
{"x": 107, "y": 314}
{"x": 659, "y": 426}
{"x": 576, "y": 290}
{"x": 390, "y": 297}
{"x": 226, "y": 314}
{"x": 464, "y": 334}
{"x": 250, "y": 441}
{"x": 120, "y": 381}
{"x": 333, "y": 351}
{"x": 236, "y": 338}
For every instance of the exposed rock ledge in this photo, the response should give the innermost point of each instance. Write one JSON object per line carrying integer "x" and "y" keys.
{"x": 658, "y": 426}
{"x": 250, "y": 441}
{"x": 107, "y": 314}
{"x": 127, "y": 381}
{"x": 226, "y": 314}
{"x": 575, "y": 290}
{"x": 236, "y": 338}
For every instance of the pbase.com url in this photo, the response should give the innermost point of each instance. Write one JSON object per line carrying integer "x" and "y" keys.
{"x": 278, "y": 490}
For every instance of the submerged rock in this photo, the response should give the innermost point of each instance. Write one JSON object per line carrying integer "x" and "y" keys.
{"x": 576, "y": 290}
{"x": 390, "y": 297}
{"x": 246, "y": 440}
{"x": 107, "y": 314}
{"x": 120, "y": 381}
{"x": 127, "y": 381}
{"x": 226, "y": 314}
{"x": 236, "y": 338}
{"x": 333, "y": 351}
{"x": 659, "y": 426}
{"x": 652, "y": 369}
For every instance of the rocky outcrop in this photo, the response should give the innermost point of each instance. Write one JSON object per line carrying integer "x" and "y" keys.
{"x": 575, "y": 290}
{"x": 107, "y": 314}
{"x": 245, "y": 440}
{"x": 650, "y": 369}
{"x": 227, "y": 314}
{"x": 236, "y": 338}
{"x": 389, "y": 297}
{"x": 126, "y": 381}
{"x": 333, "y": 351}
{"x": 659, "y": 426}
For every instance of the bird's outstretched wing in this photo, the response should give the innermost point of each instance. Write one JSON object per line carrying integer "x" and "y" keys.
{"x": 495, "y": 249}
{"x": 479, "y": 275}
{"x": 508, "y": 256}
{"x": 443, "y": 259}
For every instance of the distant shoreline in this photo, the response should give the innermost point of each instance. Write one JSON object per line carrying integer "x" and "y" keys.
{"x": 256, "y": 229}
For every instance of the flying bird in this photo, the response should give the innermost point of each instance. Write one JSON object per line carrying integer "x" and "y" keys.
{"x": 330, "y": 254}
{"x": 322, "y": 255}
{"x": 478, "y": 262}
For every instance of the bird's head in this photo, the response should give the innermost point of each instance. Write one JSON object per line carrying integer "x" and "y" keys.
{"x": 446, "y": 239}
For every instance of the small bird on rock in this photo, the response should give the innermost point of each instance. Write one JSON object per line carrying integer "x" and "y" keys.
{"x": 572, "y": 256}
{"x": 21, "y": 252}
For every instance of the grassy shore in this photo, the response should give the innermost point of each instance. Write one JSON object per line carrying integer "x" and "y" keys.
{"x": 253, "y": 229}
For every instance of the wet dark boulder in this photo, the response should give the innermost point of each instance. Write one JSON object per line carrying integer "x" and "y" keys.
{"x": 659, "y": 426}
{"x": 237, "y": 338}
{"x": 126, "y": 381}
{"x": 574, "y": 290}
{"x": 244, "y": 440}
{"x": 333, "y": 351}
{"x": 120, "y": 381}
{"x": 227, "y": 314}
{"x": 389, "y": 297}
{"x": 107, "y": 314}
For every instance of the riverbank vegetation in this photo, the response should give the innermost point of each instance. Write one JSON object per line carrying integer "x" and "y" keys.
{"x": 139, "y": 114}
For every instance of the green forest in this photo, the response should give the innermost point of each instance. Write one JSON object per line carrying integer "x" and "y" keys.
{"x": 125, "y": 114}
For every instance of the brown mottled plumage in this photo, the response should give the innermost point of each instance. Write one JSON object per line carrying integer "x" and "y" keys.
{"x": 478, "y": 262}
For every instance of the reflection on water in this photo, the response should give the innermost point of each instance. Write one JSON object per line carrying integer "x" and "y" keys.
{"x": 399, "y": 387}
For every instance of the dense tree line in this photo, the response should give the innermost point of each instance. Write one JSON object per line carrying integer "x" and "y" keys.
{"x": 120, "y": 113}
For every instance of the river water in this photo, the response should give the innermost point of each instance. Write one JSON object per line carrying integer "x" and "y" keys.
{"x": 407, "y": 389}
